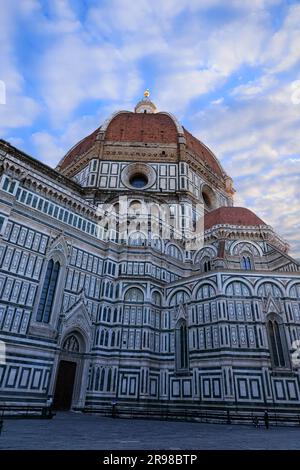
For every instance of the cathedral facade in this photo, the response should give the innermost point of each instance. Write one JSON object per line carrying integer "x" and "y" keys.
{"x": 92, "y": 316}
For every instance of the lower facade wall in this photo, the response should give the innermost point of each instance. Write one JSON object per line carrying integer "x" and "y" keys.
{"x": 28, "y": 379}
{"x": 206, "y": 388}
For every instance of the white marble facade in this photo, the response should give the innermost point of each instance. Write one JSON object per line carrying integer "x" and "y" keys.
{"x": 149, "y": 326}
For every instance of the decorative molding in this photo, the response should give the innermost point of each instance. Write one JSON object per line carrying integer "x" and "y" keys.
{"x": 271, "y": 305}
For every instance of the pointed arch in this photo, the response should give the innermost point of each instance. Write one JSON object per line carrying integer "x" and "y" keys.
{"x": 199, "y": 285}
{"x": 235, "y": 287}
{"x": 277, "y": 341}
{"x": 264, "y": 287}
{"x": 134, "y": 294}
{"x": 208, "y": 251}
{"x": 293, "y": 289}
{"x": 47, "y": 296}
{"x": 180, "y": 295}
{"x": 102, "y": 378}
{"x": 206, "y": 290}
{"x": 113, "y": 339}
{"x": 174, "y": 251}
{"x": 156, "y": 298}
{"x": 181, "y": 346}
{"x": 239, "y": 246}
{"x": 108, "y": 384}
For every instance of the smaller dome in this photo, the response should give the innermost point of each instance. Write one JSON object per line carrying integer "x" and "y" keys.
{"x": 231, "y": 216}
{"x": 145, "y": 105}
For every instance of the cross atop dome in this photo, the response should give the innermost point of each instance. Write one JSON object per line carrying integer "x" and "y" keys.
{"x": 145, "y": 105}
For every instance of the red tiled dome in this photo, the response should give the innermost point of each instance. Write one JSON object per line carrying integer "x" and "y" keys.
{"x": 142, "y": 127}
{"x": 231, "y": 216}
{"x": 203, "y": 152}
{"x": 160, "y": 128}
{"x": 79, "y": 149}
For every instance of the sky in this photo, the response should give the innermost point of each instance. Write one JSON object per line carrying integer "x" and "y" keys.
{"x": 229, "y": 70}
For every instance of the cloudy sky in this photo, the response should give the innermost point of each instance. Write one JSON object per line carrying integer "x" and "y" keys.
{"x": 229, "y": 70}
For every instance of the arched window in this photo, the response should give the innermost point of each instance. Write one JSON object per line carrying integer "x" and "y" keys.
{"x": 104, "y": 316}
{"x": 181, "y": 297}
{"x": 269, "y": 288}
{"x": 174, "y": 251}
{"x": 97, "y": 381}
{"x": 206, "y": 291}
{"x": 156, "y": 298}
{"x": 134, "y": 295}
{"x": 107, "y": 289}
{"x": 102, "y": 337}
{"x": 181, "y": 346}
{"x": 111, "y": 291}
{"x": 277, "y": 341}
{"x": 206, "y": 263}
{"x": 156, "y": 243}
{"x": 115, "y": 315}
{"x": 237, "y": 289}
{"x": 112, "y": 341}
{"x": 108, "y": 315}
{"x": 137, "y": 239}
{"x": 246, "y": 262}
{"x": 102, "y": 379}
{"x": 48, "y": 292}
{"x": 108, "y": 385}
{"x": 117, "y": 291}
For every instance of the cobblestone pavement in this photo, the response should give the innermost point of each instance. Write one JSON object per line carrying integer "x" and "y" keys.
{"x": 87, "y": 432}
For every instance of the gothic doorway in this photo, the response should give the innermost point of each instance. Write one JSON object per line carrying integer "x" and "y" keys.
{"x": 64, "y": 385}
{"x": 69, "y": 387}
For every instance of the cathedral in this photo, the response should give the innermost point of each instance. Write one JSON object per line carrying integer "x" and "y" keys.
{"x": 104, "y": 306}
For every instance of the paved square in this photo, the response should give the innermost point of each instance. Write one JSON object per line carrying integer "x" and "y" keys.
{"x": 89, "y": 432}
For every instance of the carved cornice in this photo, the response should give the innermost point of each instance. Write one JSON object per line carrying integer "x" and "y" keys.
{"x": 10, "y": 151}
{"x": 49, "y": 189}
{"x": 261, "y": 232}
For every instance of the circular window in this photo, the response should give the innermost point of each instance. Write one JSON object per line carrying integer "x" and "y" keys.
{"x": 138, "y": 180}
{"x": 138, "y": 176}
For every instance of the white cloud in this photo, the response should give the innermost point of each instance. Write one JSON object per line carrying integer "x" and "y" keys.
{"x": 185, "y": 49}
{"x": 74, "y": 71}
{"x": 19, "y": 109}
{"x": 47, "y": 149}
{"x": 283, "y": 50}
{"x": 60, "y": 18}
{"x": 177, "y": 90}
{"x": 51, "y": 147}
{"x": 257, "y": 142}
{"x": 254, "y": 87}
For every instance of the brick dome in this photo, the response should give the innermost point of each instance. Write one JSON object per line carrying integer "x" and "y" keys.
{"x": 139, "y": 127}
{"x": 231, "y": 216}
{"x": 150, "y": 128}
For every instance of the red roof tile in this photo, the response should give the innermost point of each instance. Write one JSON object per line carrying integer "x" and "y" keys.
{"x": 231, "y": 216}
{"x": 157, "y": 128}
{"x": 142, "y": 127}
{"x": 79, "y": 149}
{"x": 199, "y": 149}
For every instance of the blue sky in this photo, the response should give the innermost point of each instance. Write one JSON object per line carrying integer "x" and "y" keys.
{"x": 229, "y": 70}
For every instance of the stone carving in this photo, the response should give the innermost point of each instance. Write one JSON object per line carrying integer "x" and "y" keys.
{"x": 71, "y": 344}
